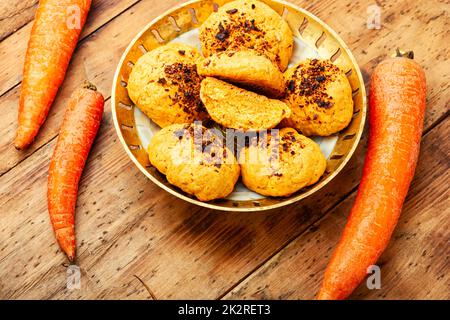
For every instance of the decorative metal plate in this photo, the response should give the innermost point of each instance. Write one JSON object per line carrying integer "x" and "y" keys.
{"x": 306, "y": 27}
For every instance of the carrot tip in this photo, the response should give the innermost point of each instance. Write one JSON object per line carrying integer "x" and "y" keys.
{"x": 71, "y": 254}
{"x": 20, "y": 146}
{"x": 71, "y": 258}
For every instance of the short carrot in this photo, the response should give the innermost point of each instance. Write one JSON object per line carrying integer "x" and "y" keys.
{"x": 79, "y": 128}
{"x": 53, "y": 38}
{"x": 397, "y": 107}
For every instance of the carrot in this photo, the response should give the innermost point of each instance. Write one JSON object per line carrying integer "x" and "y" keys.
{"x": 397, "y": 107}
{"x": 53, "y": 38}
{"x": 78, "y": 130}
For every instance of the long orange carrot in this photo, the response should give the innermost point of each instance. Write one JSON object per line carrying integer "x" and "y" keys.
{"x": 79, "y": 128}
{"x": 397, "y": 107}
{"x": 53, "y": 38}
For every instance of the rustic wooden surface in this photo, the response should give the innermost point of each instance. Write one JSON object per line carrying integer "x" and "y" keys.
{"x": 133, "y": 236}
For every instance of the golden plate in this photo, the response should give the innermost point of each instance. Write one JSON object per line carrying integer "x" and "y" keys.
{"x": 190, "y": 15}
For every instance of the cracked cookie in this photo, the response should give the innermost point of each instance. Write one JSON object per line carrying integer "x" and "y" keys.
{"x": 247, "y": 69}
{"x": 247, "y": 43}
{"x": 236, "y": 108}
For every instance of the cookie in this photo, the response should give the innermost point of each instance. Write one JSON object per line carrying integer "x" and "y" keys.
{"x": 248, "y": 24}
{"x": 195, "y": 159}
{"x": 247, "y": 69}
{"x": 236, "y": 108}
{"x": 164, "y": 84}
{"x": 167, "y": 144}
{"x": 280, "y": 166}
{"x": 320, "y": 98}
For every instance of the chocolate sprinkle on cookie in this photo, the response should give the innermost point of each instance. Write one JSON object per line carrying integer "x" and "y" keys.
{"x": 223, "y": 33}
{"x": 188, "y": 81}
{"x": 291, "y": 85}
{"x": 312, "y": 82}
{"x": 234, "y": 34}
{"x": 278, "y": 174}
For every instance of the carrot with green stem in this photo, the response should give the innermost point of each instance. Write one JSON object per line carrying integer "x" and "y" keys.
{"x": 79, "y": 128}
{"x": 53, "y": 38}
{"x": 397, "y": 107}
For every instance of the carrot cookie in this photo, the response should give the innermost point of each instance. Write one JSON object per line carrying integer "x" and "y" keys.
{"x": 320, "y": 98}
{"x": 167, "y": 144}
{"x": 165, "y": 85}
{"x": 236, "y": 108}
{"x": 195, "y": 160}
{"x": 248, "y": 24}
{"x": 247, "y": 43}
{"x": 247, "y": 69}
{"x": 281, "y": 165}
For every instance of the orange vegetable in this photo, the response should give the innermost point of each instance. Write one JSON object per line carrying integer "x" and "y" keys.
{"x": 53, "y": 38}
{"x": 397, "y": 107}
{"x": 79, "y": 128}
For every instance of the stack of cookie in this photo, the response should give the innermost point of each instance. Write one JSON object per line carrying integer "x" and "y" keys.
{"x": 240, "y": 82}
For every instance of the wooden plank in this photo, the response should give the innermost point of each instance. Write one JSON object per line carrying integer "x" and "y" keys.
{"x": 14, "y": 15}
{"x": 126, "y": 225}
{"x": 13, "y": 48}
{"x": 133, "y": 228}
{"x": 416, "y": 263}
{"x": 126, "y": 229}
{"x": 95, "y": 59}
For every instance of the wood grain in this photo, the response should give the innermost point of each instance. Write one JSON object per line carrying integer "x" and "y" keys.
{"x": 131, "y": 227}
{"x": 14, "y": 14}
{"x": 416, "y": 263}
{"x": 128, "y": 228}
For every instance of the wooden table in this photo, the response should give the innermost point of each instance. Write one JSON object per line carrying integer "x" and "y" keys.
{"x": 134, "y": 237}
